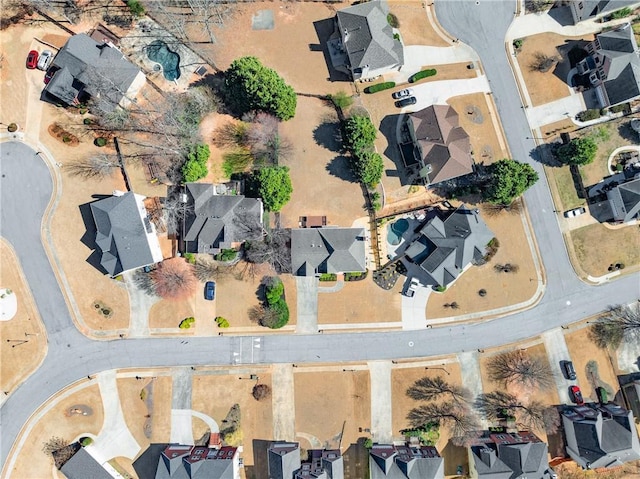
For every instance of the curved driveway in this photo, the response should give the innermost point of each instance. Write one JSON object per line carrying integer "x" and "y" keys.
{"x": 26, "y": 187}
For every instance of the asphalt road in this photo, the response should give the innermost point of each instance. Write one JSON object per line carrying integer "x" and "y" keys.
{"x": 25, "y": 189}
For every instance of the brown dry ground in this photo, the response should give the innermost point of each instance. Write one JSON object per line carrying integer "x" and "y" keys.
{"x": 328, "y": 402}
{"x": 31, "y": 462}
{"x": 134, "y": 408}
{"x": 168, "y": 313}
{"x": 596, "y": 247}
{"x": 543, "y": 87}
{"x": 215, "y": 394}
{"x": 583, "y": 350}
{"x": 161, "y": 416}
{"x": 360, "y": 302}
{"x": 414, "y": 25}
{"x": 503, "y": 289}
{"x": 19, "y": 361}
{"x": 552, "y": 131}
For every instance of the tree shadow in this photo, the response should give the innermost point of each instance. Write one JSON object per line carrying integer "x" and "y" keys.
{"x": 544, "y": 154}
{"x": 324, "y": 30}
{"x": 327, "y": 135}
{"x": 340, "y": 168}
{"x": 629, "y": 134}
{"x": 389, "y": 128}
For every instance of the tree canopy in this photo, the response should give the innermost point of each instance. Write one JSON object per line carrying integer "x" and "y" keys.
{"x": 509, "y": 179}
{"x": 579, "y": 151}
{"x": 359, "y": 133}
{"x": 249, "y": 85}
{"x": 368, "y": 167}
{"x": 274, "y": 187}
{"x": 195, "y": 167}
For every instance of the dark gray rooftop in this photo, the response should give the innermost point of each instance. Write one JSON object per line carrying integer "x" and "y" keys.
{"x": 283, "y": 459}
{"x": 592, "y": 8}
{"x": 622, "y": 64}
{"x": 327, "y": 250}
{"x": 83, "y": 466}
{"x": 388, "y": 461}
{"x": 625, "y": 200}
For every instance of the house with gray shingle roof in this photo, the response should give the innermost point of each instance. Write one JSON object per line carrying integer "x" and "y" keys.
{"x": 624, "y": 201}
{"x": 82, "y": 465}
{"x": 600, "y": 435}
{"x": 124, "y": 233}
{"x": 390, "y": 461}
{"x": 87, "y": 69}
{"x": 509, "y": 455}
{"x": 591, "y": 9}
{"x": 613, "y": 66}
{"x": 435, "y": 145}
{"x": 214, "y": 222}
{"x": 363, "y": 44}
{"x": 317, "y": 251}
{"x": 446, "y": 244}
{"x": 198, "y": 462}
{"x": 285, "y": 463}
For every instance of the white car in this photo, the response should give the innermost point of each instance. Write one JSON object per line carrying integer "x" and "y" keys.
{"x": 413, "y": 286}
{"x": 575, "y": 212}
{"x": 402, "y": 94}
{"x": 45, "y": 60}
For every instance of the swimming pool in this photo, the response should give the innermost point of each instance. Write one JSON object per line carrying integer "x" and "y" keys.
{"x": 158, "y": 51}
{"x": 395, "y": 231}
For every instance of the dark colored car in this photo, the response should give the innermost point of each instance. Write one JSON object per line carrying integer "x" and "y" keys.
{"x": 576, "y": 395}
{"x": 603, "y": 397}
{"x": 406, "y": 102}
{"x": 49, "y": 75}
{"x": 32, "y": 60}
{"x": 569, "y": 371}
{"x": 210, "y": 290}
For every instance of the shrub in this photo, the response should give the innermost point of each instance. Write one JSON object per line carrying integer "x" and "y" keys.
{"x": 393, "y": 20}
{"x": 281, "y": 316}
{"x": 195, "y": 167}
{"x": 422, "y": 74}
{"x": 354, "y": 276}
{"x": 623, "y": 12}
{"x": 190, "y": 258}
{"x": 341, "y": 100}
{"x": 440, "y": 288}
{"x": 87, "y": 121}
{"x": 67, "y": 139}
{"x": 368, "y": 443}
{"x": 274, "y": 187}
{"x": 396, "y": 36}
{"x": 328, "y": 277}
{"x": 98, "y": 142}
{"x": 380, "y": 86}
{"x": 86, "y": 441}
{"x": 261, "y": 391}
{"x": 517, "y": 43}
{"x": 588, "y": 115}
{"x": 12, "y": 127}
{"x": 273, "y": 291}
{"x": 222, "y": 322}
{"x": 226, "y": 255}
{"x": 620, "y": 108}
{"x": 136, "y": 8}
{"x": 186, "y": 323}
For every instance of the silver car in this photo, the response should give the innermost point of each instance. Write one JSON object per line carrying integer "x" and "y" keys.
{"x": 45, "y": 60}
{"x": 574, "y": 212}
{"x": 402, "y": 94}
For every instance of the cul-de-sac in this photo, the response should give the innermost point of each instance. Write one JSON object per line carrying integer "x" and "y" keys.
{"x": 319, "y": 239}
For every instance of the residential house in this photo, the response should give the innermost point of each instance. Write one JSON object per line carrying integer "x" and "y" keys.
{"x": 613, "y": 66}
{"x": 214, "y": 222}
{"x": 616, "y": 199}
{"x": 82, "y": 465}
{"x": 624, "y": 200}
{"x": 87, "y": 69}
{"x": 434, "y": 145}
{"x": 600, "y": 435}
{"x": 630, "y": 387}
{"x": 179, "y": 461}
{"x": 592, "y": 9}
{"x": 390, "y": 461}
{"x": 124, "y": 233}
{"x": 317, "y": 251}
{"x": 509, "y": 455}
{"x": 363, "y": 44}
{"x": 446, "y": 244}
{"x": 285, "y": 463}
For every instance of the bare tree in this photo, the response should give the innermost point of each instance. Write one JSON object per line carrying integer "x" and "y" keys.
{"x": 94, "y": 167}
{"x": 263, "y": 315}
{"x": 516, "y": 367}
{"x": 174, "y": 279}
{"x": 144, "y": 282}
{"x": 491, "y": 209}
{"x": 542, "y": 62}
{"x": 175, "y": 212}
{"x": 261, "y": 392}
{"x": 265, "y": 141}
{"x": 274, "y": 250}
{"x": 620, "y": 323}
{"x": 533, "y": 415}
{"x": 231, "y": 134}
{"x": 429, "y": 389}
{"x": 54, "y": 444}
{"x": 458, "y": 418}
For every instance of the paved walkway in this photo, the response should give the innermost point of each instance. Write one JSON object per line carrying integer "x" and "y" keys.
{"x": 283, "y": 403}
{"x": 114, "y": 439}
{"x": 471, "y": 377}
{"x": 181, "y": 424}
{"x": 140, "y": 304}
{"x": 381, "y": 422}
{"x": 557, "y": 351}
{"x": 335, "y": 288}
{"x": 307, "y": 293}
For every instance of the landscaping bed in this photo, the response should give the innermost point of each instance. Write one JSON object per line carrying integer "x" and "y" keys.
{"x": 60, "y": 134}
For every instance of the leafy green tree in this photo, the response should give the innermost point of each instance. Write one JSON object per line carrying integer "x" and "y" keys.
{"x": 249, "y": 85}
{"x": 195, "y": 167}
{"x": 359, "y": 133}
{"x": 368, "y": 167}
{"x": 274, "y": 187}
{"x": 136, "y": 8}
{"x": 509, "y": 179}
{"x": 273, "y": 290}
{"x": 579, "y": 151}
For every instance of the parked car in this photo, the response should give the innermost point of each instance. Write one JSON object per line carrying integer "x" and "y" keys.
{"x": 569, "y": 371}
{"x": 402, "y": 93}
{"x": 32, "y": 60}
{"x": 45, "y": 60}
{"x": 210, "y": 290}
{"x": 49, "y": 75}
{"x": 406, "y": 102}
{"x": 575, "y": 212}
{"x": 603, "y": 397}
{"x": 576, "y": 395}
{"x": 413, "y": 286}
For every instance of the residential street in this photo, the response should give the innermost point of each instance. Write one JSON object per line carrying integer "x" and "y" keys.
{"x": 27, "y": 188}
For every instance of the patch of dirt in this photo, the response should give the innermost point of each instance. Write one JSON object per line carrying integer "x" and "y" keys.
{"x": 137, "y": 414}
{"x": 552, "y": 131}
{"x": 168, "y": 314}
{"x": 415, "y": 27}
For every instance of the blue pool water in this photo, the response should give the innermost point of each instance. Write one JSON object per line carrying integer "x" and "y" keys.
{"x": 395, "y": 231}
{"x": 159, "y": 52}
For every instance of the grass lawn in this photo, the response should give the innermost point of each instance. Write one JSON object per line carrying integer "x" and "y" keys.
{"x": 597, "y": 246}
{"x": 566, "y": 191}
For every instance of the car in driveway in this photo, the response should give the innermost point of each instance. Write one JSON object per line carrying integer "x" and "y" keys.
{"x": 49, "y": 75}
{"x": 603, "y": 397}
{"x": 402, "y": 94}
{"x": 576, "y": 395}
{"x": 575, "y": 212}
{"x": 210, "y": 290}
{"x": 569, "y": 370}
{"x": 46, "y": 57}
{"x": 413, "y": 286}
{"x": 406, "y": 102}
{"x": 32, "y": 60}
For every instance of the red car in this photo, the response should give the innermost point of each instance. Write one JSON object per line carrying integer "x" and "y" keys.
{"x": 576, "y": 395}
{"x": 49, "y": 75}
{"x": 32, "y": 60}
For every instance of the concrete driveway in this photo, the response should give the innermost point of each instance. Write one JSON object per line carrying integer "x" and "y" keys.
{"x": 307, "y": 295}
{"x": 557, "y": 351}
{"x": 414, "y": 309}
{"x": 438, "y": 92}
{"x": 562, "y": 109}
